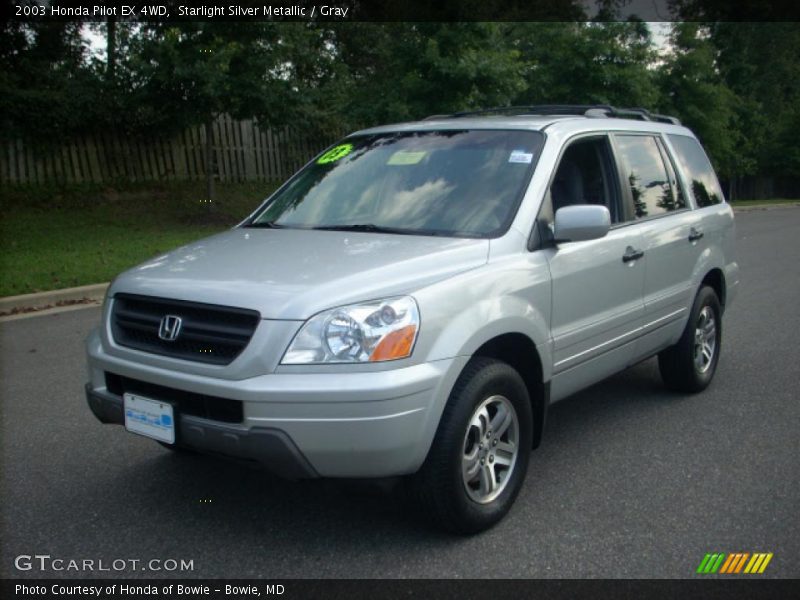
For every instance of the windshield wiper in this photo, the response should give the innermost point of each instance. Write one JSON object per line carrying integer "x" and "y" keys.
{"x": 265, "y": 225}
{"x": 369, "y": 228}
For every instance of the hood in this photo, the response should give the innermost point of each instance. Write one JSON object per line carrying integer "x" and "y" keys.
{"x": 294, "y": 273}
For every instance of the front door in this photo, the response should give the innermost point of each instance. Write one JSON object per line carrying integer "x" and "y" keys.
{"x": 597, "y": 307}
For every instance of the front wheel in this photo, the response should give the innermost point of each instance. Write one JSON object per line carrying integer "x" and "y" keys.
{"x": 479, "y": 456}
{"x": 689, "y": 365}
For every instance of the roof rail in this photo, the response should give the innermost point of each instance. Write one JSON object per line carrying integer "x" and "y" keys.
{"x": 586, "y": 110}
{"x": 645, "y": 115}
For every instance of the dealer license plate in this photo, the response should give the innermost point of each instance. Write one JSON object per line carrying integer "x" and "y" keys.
{"x": 150, "y": 418}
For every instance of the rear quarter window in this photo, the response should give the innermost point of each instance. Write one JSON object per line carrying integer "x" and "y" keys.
{"x": 697, "y": 169}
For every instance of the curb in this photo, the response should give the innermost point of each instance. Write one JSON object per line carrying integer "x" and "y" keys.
{"x": 765, "y": 206}
{"x": 86, "y": 294}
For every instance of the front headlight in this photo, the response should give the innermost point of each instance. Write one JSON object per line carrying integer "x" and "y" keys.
{"x": 367, "y": 332}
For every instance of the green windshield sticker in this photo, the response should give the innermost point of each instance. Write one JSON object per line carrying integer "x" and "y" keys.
{"x": 401, "y": 157}
{"x": 335, "y": 154}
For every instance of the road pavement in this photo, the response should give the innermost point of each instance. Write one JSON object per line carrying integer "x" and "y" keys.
{"x": 631, "y": 481}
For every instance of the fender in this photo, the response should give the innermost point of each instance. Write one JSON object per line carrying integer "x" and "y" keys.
{"x": 509, "y": 296}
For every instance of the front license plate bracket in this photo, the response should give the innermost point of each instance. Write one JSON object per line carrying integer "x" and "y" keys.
{"x": 148, "y": 417}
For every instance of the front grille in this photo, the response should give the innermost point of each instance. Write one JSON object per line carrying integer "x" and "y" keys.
{"x": 209, "y": 333}
{"x": 187, "y": 403}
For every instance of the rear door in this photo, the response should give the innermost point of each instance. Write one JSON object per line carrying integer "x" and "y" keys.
{"x": 672, "y": 237}
{"x": 597, "y": 285}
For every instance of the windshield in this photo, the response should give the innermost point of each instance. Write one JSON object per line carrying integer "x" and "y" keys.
{"x": 454, "y": 183}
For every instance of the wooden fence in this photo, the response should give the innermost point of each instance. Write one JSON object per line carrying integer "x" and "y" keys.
{"x": 242, "y": 151}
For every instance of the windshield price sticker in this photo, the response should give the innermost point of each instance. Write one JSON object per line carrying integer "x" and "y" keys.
{"x": 403, "y": 157}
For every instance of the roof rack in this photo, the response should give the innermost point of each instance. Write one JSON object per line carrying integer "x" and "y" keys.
{"x": 586, "y": 110}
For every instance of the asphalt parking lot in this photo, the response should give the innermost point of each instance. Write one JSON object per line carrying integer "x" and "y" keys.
{"x": 631, "y": 481}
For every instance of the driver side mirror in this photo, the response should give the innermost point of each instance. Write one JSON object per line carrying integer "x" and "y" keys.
{"x": 581, "y": 222}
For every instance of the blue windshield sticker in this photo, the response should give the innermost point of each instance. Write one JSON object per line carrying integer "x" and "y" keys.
{"x": 521, "y": 157}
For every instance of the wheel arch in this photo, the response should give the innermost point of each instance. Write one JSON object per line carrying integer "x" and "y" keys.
{"x": 508, "y": 327}
{"x": 710, "y": 270}
{"x": 518, "y": 351}
{"x": 715, "y": 279}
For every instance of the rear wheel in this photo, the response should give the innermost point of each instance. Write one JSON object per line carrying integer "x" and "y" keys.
{"x": 480, "y": 453}
{"x": 689, "y": 365}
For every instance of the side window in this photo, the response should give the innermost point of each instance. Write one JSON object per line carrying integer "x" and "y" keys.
{"x": 586, "y": 175}
{"x": 677, "y": 188}
{"x": 646, "y": 175}
{"x": 697, "y": 169}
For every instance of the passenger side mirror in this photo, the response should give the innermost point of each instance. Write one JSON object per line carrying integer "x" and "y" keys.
{"x": 581, "y": 222}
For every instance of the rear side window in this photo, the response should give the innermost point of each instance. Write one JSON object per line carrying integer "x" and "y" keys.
{"x": 646, "y": 175}
{"x": 698, "y": 170}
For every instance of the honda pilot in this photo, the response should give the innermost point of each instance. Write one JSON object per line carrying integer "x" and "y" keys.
{"x": 414, "y": 299}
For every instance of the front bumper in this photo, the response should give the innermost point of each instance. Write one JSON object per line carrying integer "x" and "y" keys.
{"x": 268, "y": 446}
{"x": 299, "y": 425}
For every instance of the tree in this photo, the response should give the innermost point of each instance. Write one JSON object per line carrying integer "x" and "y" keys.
{"x": 760, "y": 62}
{"x": 758, "y": 59}
{"x": 586, "y": 63}
{"x": 693, "y": 89}
{"x": 47, "y": 89}
{"x": 401, "y": 71}
{"x": 188, "y": 73}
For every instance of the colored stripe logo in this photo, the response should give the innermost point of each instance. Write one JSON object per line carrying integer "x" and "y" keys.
{"x": 735, "y": 563}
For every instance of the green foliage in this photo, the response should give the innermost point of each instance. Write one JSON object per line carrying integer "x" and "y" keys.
{"x": 181, "y": 74}
{"x": 63, "y": 236}
{"x": 586, "y": 63}
{"x": 761, "y": 64}
{"x": 402, "y": 71}
{"x": 46, "y": 87}
{"x": 692, "y": 87}
{"x": 736, "y": 84}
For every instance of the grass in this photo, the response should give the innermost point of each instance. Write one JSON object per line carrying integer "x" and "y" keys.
{"x": 58, "y": 237}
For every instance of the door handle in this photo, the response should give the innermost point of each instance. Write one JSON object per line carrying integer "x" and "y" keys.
{"x": 695, "y": 234}
{"x": 632, "y": 253}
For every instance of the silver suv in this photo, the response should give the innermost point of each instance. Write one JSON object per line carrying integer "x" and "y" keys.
{"x": 412, "y": 301}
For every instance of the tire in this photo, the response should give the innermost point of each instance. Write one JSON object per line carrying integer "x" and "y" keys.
{"x": 488, "y": 391}
{"x": 689, "y": 365}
